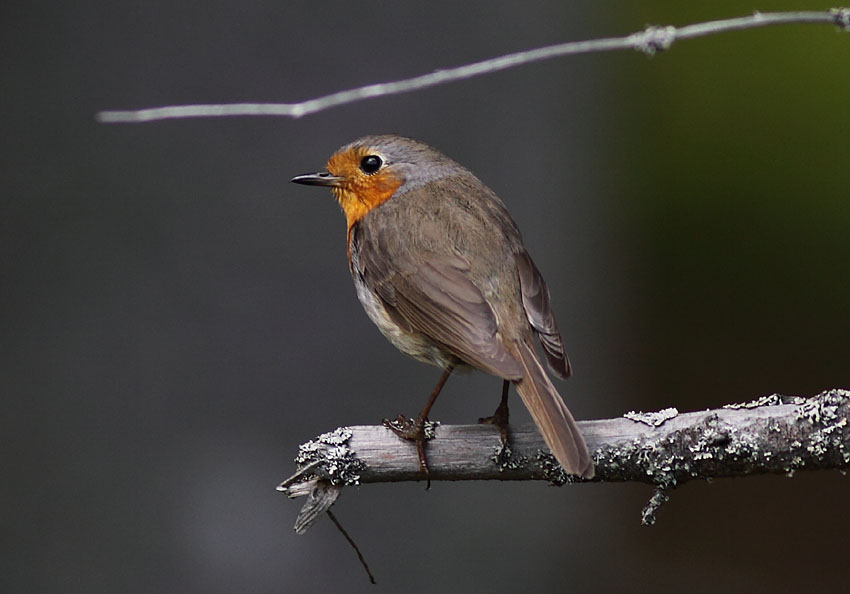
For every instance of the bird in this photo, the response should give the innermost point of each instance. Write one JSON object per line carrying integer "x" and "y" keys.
{"x": 440, "y": 267}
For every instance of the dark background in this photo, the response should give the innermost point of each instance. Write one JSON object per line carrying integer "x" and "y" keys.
{"x": 177, "y": 317}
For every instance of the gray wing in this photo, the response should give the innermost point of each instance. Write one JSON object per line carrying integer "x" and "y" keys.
{"x": 538, "y": 309}
{"x": 436, "y": 298}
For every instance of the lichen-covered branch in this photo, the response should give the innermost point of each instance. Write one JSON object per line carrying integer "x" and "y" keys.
{"x": 773, "y": 434}
{"x": 649, "y": 41}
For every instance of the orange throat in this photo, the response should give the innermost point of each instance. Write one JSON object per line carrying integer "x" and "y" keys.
{"x": 356, "y": 204}
{"x": 359, "y": 193}
{"x": 357, "y": 199}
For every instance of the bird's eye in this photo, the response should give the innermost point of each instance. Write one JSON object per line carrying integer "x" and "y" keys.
{"x": 370, "y": 164}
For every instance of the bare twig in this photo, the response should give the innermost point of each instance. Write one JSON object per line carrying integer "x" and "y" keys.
{"x": 648, "y": 41}
{"x": 354, "y": 546}
{"x": 773, "y": 434}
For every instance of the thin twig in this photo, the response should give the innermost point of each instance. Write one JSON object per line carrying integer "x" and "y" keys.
{"x": 648, "y": 41}
{"x": 353, "y": 545}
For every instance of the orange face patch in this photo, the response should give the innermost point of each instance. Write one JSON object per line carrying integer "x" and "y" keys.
{"x": 359, "y": 192}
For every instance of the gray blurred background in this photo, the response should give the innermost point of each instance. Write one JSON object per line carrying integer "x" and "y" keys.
{"x": 177, "y": 317}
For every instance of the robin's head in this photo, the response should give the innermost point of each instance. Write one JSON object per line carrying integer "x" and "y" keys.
{"x": 365, "y": 173}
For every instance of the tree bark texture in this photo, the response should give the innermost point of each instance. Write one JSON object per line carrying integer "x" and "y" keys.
{"x": 773, "y": 434}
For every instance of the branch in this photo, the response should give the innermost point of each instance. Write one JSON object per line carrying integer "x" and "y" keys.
{"x": 773, "y": 434}
{"x": 648, "y": 41}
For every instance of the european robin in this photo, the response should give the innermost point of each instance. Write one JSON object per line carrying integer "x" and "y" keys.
{"x": 440, "y": 267}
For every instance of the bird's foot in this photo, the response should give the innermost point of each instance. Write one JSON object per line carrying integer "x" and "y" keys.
{"x": 418, "y": 431}
{"x": 500, "y": 420}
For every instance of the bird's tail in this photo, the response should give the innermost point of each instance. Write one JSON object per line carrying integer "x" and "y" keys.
{"x": 551, "y": 415}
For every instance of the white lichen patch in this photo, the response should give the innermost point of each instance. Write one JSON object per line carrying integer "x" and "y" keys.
{"x": 505, "y": 459}
{"x": 839, "y": 425}
{"x": 659, "y": 498}
{"x": 430, "y": 429}
{"x": 824, "y": 418}
{"x": 810, "y": 434}
{"x": 767, "y": 400}
{"x": 653, "y": 419}
{"x": 336, "y": 460}
{"x": 552, "y": 470}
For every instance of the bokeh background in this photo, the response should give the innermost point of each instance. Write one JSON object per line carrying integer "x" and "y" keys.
{"x": 177, "y": 317}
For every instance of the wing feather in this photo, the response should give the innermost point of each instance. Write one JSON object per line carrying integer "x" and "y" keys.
{"x": 538, "y": 309}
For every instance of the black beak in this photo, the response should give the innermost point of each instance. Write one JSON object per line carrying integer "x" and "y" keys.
{"x": 318, "y": 179}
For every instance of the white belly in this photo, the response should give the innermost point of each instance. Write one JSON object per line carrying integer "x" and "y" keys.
{"x": 415, "y": 345}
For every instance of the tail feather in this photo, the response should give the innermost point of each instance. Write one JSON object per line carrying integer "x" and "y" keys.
{"x": 552, "y": 416}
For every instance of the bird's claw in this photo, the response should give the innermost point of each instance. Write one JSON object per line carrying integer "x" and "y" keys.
{"x": 415, "y": 431}
{"x": 500, "y": 419}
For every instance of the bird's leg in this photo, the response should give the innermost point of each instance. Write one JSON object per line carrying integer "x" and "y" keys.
{"x": 415, "y": 430}
{"x": 500, "y": 419}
